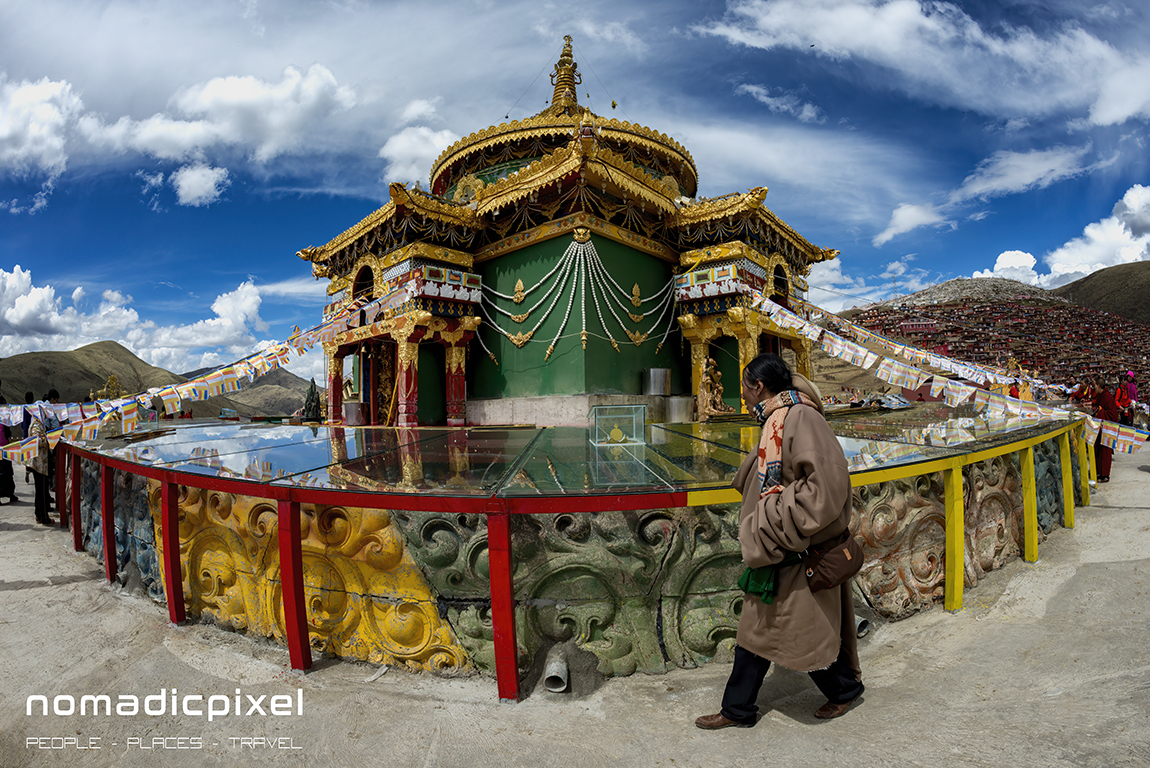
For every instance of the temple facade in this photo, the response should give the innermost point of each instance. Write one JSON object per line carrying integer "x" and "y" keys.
{"x": 552, "y": 261}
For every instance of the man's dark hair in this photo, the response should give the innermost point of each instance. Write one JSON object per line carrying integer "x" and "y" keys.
{"x": 53, "y": 394}
{"x": 29, "y": 398}
{"x": 771, "y": 370}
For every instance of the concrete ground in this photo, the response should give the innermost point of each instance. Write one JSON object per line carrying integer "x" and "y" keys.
{"x": 1046, "y": 666}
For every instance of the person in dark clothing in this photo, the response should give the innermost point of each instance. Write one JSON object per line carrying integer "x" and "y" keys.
{"x": 29, "y": 398}
{"x": 7, "y": 478}
{"x": 39, "y": 465}
{"x": 1106, "y": 409}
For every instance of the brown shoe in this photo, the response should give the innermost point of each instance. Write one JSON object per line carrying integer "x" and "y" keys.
{"x": 831, "y": 710}
{"x": 717, "y": 721}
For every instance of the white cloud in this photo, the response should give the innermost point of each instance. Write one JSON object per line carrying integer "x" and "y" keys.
{"x": 1003, "y": 173}
{"x": 419, "y": 109}
{"x": 33, "y": 122}
{"x": 299, "y": 288}
{"x": 411, "y": 152}
{"x": 908, "y": 216}
{"x": 270, "y": 118}
{"x": 1121, "y": 238}
{"x": 936, "y": 51}
{"x": 78, "y": 295}
{"x": 32, "y": 318}
{"x": 863, "y": 175}
{"x": 834, "y": 291}
{"x": 785, "y": 103}
{"x": 199, "y": 184}
{"x": 1007, "y": 172}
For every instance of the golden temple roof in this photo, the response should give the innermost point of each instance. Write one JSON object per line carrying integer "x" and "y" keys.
{"x": 580, "y": 144}
{"x": 561, "y": 118}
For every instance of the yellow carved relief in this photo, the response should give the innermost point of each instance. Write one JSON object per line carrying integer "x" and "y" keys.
{"x": 366, "y": 598}
{"x": 407, "y": 353}
{"x": 456, "y": 358}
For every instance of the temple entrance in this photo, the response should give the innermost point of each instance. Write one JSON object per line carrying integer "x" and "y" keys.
{"x": 432, "y": 410}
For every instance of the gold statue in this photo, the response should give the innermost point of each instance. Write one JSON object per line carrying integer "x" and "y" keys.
{"x": 709, "y": 398}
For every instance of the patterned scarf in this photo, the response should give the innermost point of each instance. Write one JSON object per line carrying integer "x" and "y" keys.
{"x": 771, "y": 414}
{"x": 763, "y": 582}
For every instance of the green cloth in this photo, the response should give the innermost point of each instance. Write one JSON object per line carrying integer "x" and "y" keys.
{"x": 763, "y": 582}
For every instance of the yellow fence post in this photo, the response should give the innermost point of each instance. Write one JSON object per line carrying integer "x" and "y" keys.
{"x": 1029, "y": 507}
{"x": 955, "y": 532}
{"x": 1093, "y": 463}
{"x": 1083, "y": 469}
{"x": 1067, "y": 480}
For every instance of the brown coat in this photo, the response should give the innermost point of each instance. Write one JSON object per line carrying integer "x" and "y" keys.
{"x": 800, "y": 629}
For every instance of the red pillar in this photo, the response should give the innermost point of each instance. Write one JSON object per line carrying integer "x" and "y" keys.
{"x": 291, "y": 585}
{"x": 335, "y": 391}
{"x": 170, "y": 534}
{"x": 502, "y": 600}
{"x": 108, "y": 521}
{"x": 74, "y": 466}
{"x": 456, "y": 386}
{"x": 407, "y": 369}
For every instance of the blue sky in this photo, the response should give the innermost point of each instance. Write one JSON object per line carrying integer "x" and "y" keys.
{"x": 162, "y": 162}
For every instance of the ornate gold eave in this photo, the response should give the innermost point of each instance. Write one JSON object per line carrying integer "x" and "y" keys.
{"x": 597, "y": 162}
{"x": 554, "y": 125}
{"x": 567, "y": 224}
{"x": 323, "y": 252}
{"x": 750, "y": 202}
{"x": 413, "y": 200}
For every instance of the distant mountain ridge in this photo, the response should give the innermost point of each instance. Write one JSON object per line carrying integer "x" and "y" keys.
{"x": 82, "y": 371}
{"x": 1123, "y": 290}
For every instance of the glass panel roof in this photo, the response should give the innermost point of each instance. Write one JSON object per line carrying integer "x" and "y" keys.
{"x": 530, "y": 461}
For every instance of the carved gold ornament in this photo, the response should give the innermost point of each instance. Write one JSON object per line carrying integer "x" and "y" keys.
{"x": 635, "y": 299}
{"x": 519, "y": 339}
{"x": 635, "y": 318}
{"x": 520, "y": 318}
{"x": 635, "y": 336}
{"x": 519, "y": 295}
{"x": 582, "y": 234}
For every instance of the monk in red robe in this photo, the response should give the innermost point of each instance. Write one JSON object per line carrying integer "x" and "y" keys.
{"x": 1105, "y": 408}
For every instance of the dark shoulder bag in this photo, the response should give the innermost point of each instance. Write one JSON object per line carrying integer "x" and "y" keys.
{"x": 832, "y": 562}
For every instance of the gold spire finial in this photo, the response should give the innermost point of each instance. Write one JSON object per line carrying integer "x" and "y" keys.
{"x": 565, "y": 78}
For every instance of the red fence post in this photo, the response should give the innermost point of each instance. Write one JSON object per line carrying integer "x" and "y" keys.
{"x": 170, "y": 534}
{"x": 502, "y": 600}
{"x": 291, "y": 585}
{"x": 108, "y": 521}
{"x": 62, "y": 458}
{"x": 75, "y": 467}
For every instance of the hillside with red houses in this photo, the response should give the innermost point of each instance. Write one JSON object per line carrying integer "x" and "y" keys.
{"x": 992, "y": 321}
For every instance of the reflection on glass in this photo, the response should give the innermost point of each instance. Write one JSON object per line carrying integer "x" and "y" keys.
{"x": 551, "y": 461}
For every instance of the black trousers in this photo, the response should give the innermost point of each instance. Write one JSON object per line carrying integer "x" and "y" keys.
{"x": 837, "y": 682}
{"x": 41, "y": 496}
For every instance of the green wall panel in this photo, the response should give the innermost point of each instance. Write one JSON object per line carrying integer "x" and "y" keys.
{"x": 432, "y": 384}
{"x": 572, "y": 370}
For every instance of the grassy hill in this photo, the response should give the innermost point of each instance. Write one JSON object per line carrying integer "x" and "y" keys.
{"x": 1123, "y": 290}
{"x": 82, "y": 371}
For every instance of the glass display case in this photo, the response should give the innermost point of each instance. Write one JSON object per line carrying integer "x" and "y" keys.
{"x": 618, "y": 454}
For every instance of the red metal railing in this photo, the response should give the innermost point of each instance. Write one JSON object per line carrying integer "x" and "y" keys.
{"x": 288, "y": 499}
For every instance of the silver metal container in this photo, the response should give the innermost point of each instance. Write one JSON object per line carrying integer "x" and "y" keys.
{"x": 657, "y": 381}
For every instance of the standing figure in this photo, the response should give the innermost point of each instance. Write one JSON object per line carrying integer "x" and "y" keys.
{"x": 7, "y": 478}
{"x": 1106, "y": 409}
{"x": 39, "y": 465}
{"x": 796, "y": 493}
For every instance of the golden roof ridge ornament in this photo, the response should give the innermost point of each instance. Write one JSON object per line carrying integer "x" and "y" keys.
{"x": 565, "y": 78}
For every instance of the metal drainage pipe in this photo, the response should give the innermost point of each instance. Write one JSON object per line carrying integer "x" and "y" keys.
{"x": 555, "y": 673}
{"x": 862, "y": 626}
